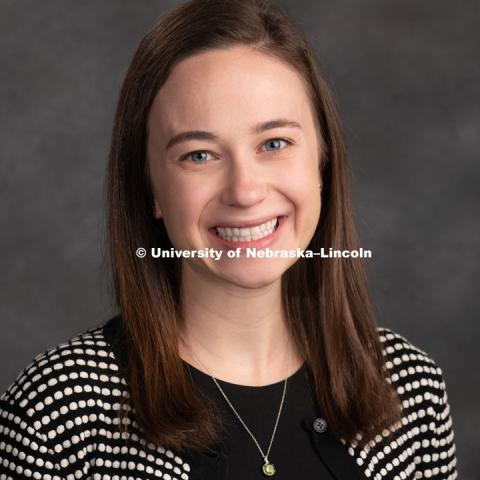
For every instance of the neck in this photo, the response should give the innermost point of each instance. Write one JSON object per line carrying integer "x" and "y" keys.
{"x": 237, "y": 334}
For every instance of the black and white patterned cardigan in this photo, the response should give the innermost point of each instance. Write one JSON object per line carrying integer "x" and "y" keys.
{"x": 58, "y": 420}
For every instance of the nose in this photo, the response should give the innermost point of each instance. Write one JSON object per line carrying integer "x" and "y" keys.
{"x": 245, "y": 185}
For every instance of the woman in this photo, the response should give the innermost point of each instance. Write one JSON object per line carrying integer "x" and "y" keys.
{"x": 225, "y": 362}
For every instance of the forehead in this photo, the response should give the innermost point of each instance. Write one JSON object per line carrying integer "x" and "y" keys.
{"x": 229, "y": 89}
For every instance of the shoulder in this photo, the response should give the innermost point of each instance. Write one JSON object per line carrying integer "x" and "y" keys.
{"x": 410, "y": 369}
{"x": 400, "y": 353}
{"x": 63, "y": 375}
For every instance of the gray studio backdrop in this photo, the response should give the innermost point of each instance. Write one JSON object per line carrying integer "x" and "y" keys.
{"x": 406, "y": 77}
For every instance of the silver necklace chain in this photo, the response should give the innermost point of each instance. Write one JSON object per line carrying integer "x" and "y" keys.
{"x": 264, "y": 456}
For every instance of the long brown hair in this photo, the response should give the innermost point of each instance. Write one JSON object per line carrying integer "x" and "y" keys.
{"x": 326, "y": 301}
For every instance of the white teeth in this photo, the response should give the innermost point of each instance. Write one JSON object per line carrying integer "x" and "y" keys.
{"x": 236, "y": 234}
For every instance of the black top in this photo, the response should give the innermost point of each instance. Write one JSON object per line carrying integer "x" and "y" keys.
{"x": 302, "y": 447}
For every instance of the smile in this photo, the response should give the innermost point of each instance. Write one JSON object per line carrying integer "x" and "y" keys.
{"x": 237, "y": 234}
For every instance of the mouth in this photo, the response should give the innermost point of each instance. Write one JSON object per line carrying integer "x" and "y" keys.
{"x": 248, "y": 234}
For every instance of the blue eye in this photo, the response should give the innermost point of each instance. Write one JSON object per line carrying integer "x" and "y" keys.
{"x": 200, "y": 156}
{"x": 275, "y": 144}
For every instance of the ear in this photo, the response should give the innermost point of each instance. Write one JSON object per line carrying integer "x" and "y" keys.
{"x": 157, "y": 213}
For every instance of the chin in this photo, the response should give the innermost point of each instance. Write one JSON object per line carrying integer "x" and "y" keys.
{"x": 254, "y": 275}
{"x": 253, "y": 284}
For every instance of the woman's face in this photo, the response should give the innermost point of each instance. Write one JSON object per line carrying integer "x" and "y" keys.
{"x": 233, "y": 151}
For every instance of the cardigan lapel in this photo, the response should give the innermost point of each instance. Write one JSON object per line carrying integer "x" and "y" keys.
{"x": 333, "y": 453}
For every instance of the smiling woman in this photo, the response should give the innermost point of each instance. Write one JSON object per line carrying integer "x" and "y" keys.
{"x": 235, "y": 366}
{"x": 218, "y": 174}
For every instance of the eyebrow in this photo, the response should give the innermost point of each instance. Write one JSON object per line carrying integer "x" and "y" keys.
{"x": 204, "y": 135}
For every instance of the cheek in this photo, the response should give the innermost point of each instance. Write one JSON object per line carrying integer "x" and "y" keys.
{"x": 304, "y": 181}
{"x": 310, "y": 202}
{"x": 305, "y": 193}
{"x": 179, "y": 211}
{"x": 182, "y": 207}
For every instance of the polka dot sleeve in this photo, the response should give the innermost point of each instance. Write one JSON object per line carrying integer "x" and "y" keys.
{"x": 422, "y": 444}
{"x": 23, "y": 450}
{"x": 437, "y": 453}
{"x": 47, "y": 423}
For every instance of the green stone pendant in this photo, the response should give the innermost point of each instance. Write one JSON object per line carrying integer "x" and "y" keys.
{"x": 268, "y": 469}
